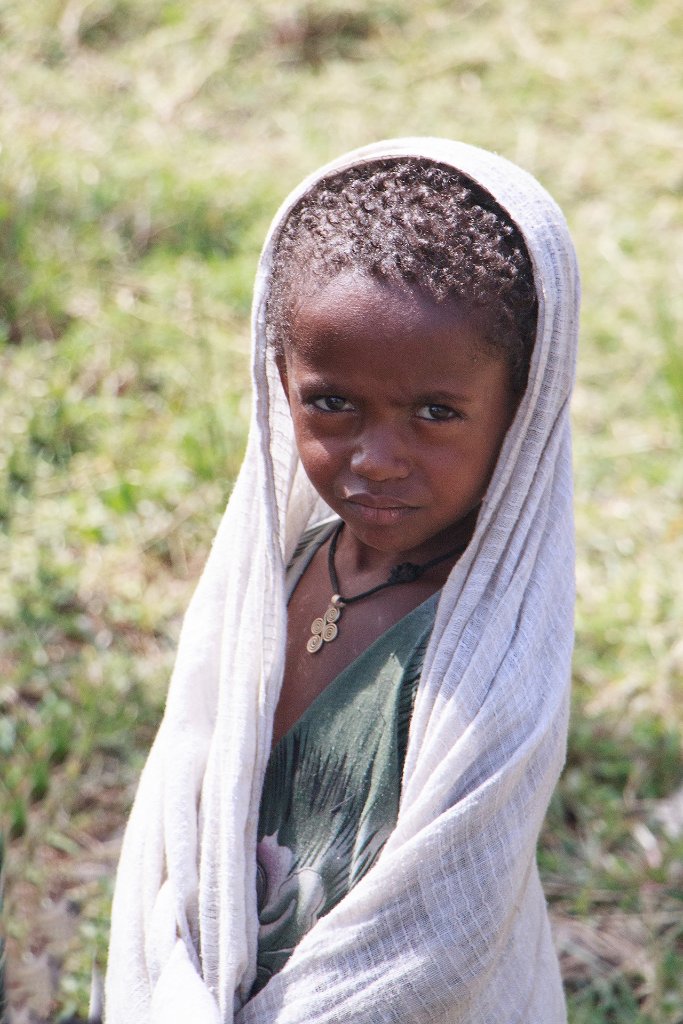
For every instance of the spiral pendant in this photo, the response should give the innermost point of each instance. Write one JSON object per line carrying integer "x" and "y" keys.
{"x": 324, "y": 629}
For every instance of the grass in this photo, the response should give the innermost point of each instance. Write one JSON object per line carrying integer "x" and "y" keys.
{"x": 145, "y": 145}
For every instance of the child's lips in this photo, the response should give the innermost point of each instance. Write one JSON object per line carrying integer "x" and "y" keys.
{"x": 382, "y": 511}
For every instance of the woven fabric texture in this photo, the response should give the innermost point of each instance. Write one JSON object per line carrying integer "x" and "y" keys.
{"x": 450, "y": 925}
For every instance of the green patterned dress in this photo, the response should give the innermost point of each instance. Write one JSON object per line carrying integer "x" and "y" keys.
{"x": 332, "y": 786}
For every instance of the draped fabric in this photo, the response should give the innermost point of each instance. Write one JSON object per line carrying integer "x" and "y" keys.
{"x": 450, "y": 924}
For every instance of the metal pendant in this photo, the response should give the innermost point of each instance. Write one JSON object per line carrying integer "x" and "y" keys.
{"x": 324, "y": 629}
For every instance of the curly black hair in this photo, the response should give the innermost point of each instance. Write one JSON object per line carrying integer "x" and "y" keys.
{"x": 415, "y": 223}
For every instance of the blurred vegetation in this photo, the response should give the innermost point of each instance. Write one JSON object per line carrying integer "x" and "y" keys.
{"x": 145, "y": 145}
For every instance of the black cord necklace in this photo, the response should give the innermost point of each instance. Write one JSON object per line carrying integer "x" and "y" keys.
{"x": 324, "y": 629}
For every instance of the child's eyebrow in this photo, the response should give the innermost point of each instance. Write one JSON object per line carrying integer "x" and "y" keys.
{"x": 446, "y": 397}
{"x": 313, "y": 382}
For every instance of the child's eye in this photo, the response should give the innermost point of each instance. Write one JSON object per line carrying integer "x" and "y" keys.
{"x": 437, "y": 412}
{"x": 331, "y": 403}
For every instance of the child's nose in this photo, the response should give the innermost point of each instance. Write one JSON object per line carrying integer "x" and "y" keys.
{"x": 379, "y": 455}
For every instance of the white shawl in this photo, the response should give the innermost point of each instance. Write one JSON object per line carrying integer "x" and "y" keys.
{"x": 450, "y": 925}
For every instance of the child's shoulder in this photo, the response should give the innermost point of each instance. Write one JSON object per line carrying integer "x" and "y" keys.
{"x": 311, "y": 539}
{"x": 314, "y": 536}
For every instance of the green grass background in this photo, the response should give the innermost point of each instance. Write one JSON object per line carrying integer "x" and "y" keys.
{"x": 145, "y": 146}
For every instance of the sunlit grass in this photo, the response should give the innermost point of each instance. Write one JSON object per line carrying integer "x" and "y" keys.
{"x": 145, "y": 145}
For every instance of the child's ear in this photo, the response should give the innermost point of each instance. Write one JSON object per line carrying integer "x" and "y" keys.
{"x": 281, "y": 364}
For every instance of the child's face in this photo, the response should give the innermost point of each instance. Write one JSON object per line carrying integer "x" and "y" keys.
{"x": 399, "y": 411}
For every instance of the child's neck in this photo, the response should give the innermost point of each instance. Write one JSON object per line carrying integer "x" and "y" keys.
{"x": 356, "y": 561}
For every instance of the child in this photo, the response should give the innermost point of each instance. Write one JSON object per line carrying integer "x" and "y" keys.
{"x": 338, "y": 819}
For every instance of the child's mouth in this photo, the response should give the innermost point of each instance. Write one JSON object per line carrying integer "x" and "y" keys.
{"x": 378, "y": 511}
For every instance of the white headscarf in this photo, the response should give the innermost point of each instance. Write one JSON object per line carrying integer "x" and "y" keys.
{"x": 450, "y": 925}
